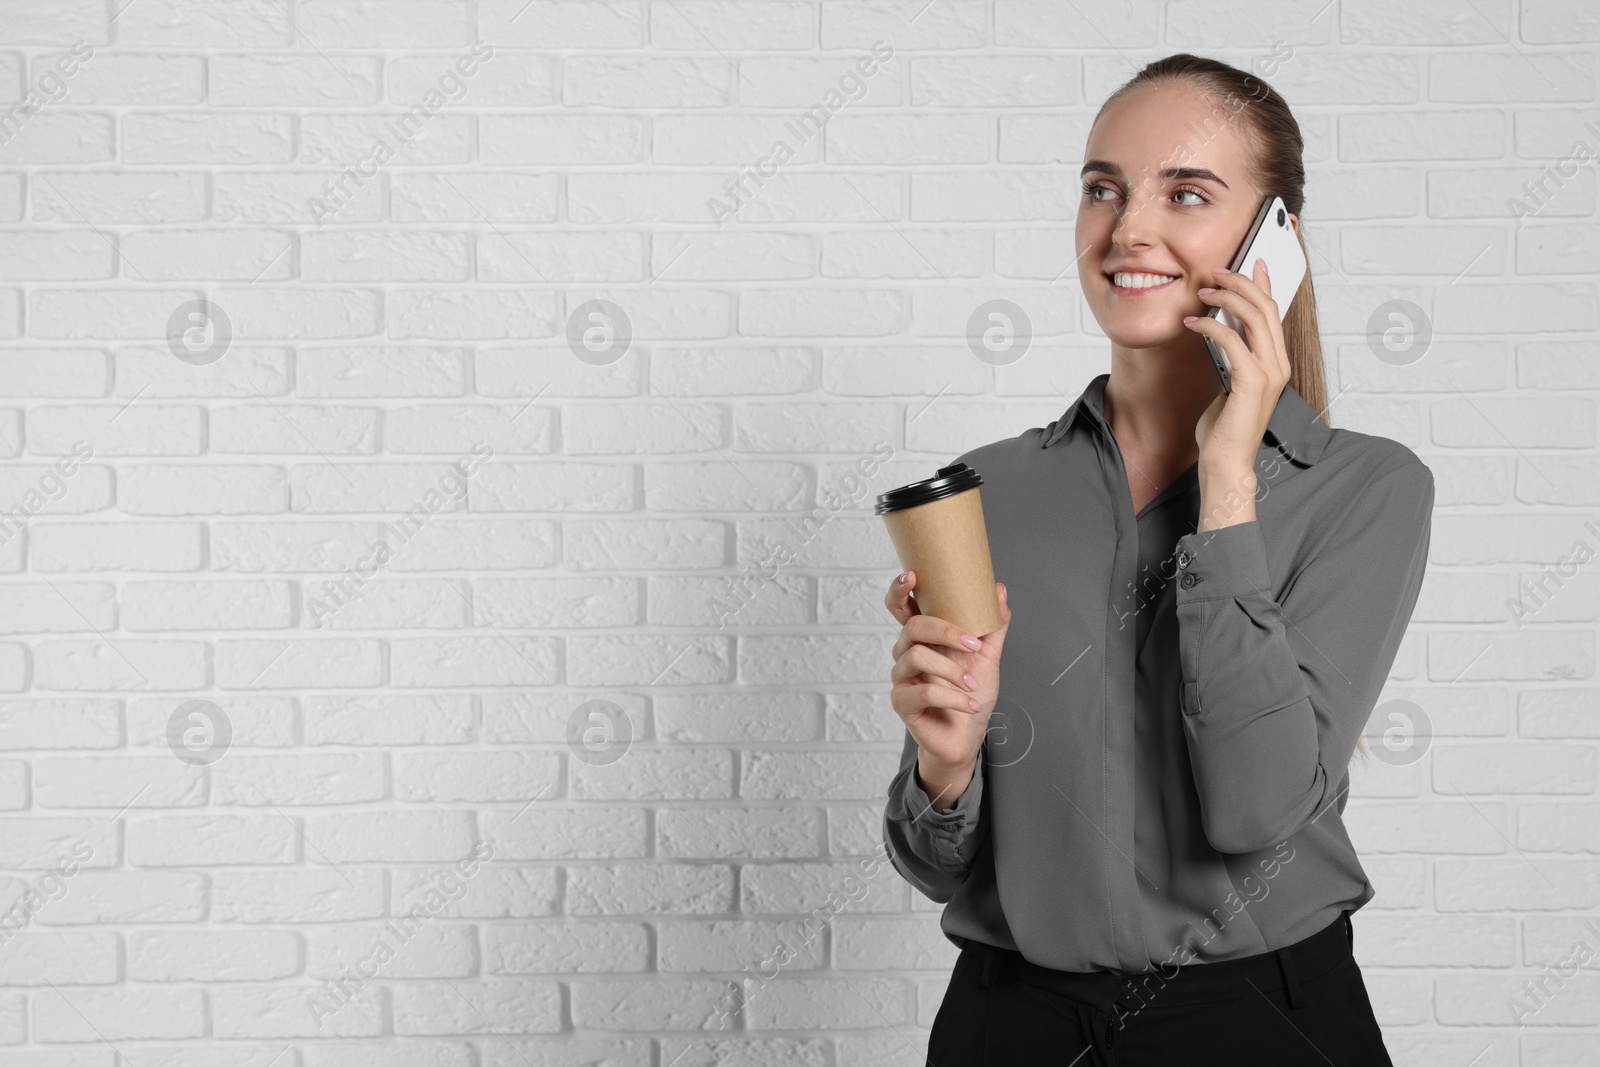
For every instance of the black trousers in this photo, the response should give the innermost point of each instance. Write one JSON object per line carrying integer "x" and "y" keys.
{"x": 1304, "y": 1004}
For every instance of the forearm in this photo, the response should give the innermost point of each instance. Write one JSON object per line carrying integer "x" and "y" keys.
{"x": 1276, "y": 691}
{"x": 1253, "y": 740}
{"x": 1247, "y": 712}
{"x": 933, "y": 848}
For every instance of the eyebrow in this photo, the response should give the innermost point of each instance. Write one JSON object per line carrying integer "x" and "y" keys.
{"x": 1170, "y": 174}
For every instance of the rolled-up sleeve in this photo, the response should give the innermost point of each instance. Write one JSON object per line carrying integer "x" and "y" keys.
{"x": 932, "y": 850}
{"x": 1279, "y": 678}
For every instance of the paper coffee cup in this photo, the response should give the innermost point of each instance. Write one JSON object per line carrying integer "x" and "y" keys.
{"x": 937, "y": 529}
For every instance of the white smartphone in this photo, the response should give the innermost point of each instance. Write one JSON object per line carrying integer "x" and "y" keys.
{"x": 1273, "y": 239}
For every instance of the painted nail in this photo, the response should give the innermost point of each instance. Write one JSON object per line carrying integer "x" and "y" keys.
{"x": 1207, "y": 289}
{"x": 974, "y": 705}
{"x": 1219, "y": 270}
{"x": 905, "y": 576}
{"x": 971, "y": 642}
{"x": 970, "y": 682}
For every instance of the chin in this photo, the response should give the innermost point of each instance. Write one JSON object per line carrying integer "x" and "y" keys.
{"x": 1146, "y": 331}
{"x": 1143, "y": 340}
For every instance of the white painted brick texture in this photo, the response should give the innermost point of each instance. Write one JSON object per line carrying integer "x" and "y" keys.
{"x": 304, "y": 462}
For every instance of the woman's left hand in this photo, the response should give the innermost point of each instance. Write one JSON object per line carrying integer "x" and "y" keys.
{"x": 1230, "y": 430}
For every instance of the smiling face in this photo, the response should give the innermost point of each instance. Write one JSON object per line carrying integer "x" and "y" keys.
{"x": 1155, "y": 219}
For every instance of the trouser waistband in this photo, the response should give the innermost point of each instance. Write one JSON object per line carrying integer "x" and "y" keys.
{"x": 1121, "y": 994}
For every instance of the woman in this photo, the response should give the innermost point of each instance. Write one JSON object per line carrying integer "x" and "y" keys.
{"x": 1136, "y": 824}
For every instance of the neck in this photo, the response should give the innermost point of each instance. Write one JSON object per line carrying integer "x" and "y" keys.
{"x": 1154, "y": 398}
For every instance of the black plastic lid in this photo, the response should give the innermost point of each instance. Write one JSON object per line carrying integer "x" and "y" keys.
{"x": 948, "y": 482}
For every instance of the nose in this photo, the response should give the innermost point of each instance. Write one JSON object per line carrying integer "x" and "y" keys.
{"x": 1135, "y": 225}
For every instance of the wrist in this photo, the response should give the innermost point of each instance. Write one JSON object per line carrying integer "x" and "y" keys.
{"x": 943, "y": 782}
{"x": 1226, "y": 497}
{"x": 1231, "y": 474}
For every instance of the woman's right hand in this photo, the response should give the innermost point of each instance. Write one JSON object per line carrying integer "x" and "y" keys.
{"x": 937, "y": 678}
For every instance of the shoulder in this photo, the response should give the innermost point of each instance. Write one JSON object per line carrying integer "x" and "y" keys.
{"x": 1372, "y": 460}
{"x": 1008, "y": 453}
{"x": 1374, "y": 488}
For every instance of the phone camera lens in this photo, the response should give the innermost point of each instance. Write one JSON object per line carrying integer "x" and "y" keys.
{"x": 1280, "y": 216}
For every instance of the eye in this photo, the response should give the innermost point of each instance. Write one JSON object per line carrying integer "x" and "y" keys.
{"x": 1090, "y": 189}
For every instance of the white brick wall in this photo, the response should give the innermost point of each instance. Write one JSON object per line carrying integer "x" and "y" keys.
{"x": 211, "y": 543}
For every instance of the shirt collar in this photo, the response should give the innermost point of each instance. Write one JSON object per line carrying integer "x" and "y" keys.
{"x": 1295, "y": 428}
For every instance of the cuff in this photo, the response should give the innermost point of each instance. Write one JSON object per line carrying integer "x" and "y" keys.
{"x": 955, "y": 819}
{"x": 1230, "y": 561}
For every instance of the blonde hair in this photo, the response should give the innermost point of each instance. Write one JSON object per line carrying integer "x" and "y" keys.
{"x": 1277, "y": 155}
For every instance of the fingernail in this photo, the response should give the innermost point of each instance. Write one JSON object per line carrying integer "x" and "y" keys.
{"x": 1187, "y": 319}
{"x": 1219, "y": 270}
{"x": 905, "y": 577}
{"x": 971, "y": 642}
{"x": 1208, "y": 289}
{"x": 974, "y": 705}
{"x": 970, "y": 682}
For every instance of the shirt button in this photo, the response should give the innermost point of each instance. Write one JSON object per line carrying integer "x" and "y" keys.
{"x": 1188, "y": 581}
{"x": 1184, "y": 558}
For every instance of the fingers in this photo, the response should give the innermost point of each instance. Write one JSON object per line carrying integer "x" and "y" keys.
{"x": 932, "y": 630}
{"x": 1255, "y": 287}
{"x": 1258, "y": 274}
{"x": 1250, "y": 308}
{"x": 1250, "y": 300}
{"x": 910, "y": 699}
{"x": 930, "y": 663}
{"x": 925, "y": 678}
{"x": 898, "y": 598}
{"x": 1274, "y": 319}
{"x": 1228, "y": 339}
{"x": 1256, "y": 357}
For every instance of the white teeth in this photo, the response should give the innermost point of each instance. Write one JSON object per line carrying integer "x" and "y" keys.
{"x": 1141, "y": 281}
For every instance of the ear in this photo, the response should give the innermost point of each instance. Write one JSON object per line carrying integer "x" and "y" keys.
{"x": 1294, "y": 222}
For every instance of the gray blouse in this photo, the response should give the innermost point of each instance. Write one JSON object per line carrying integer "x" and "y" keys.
{"x": 1165, "y": 773}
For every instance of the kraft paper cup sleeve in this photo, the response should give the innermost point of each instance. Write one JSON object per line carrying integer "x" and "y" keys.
{"x": 946, "y": 543}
